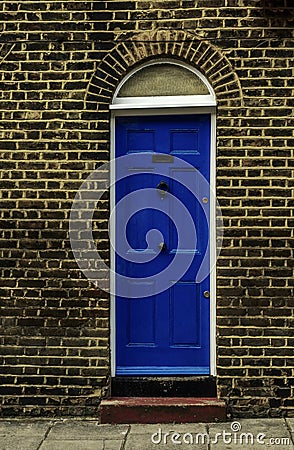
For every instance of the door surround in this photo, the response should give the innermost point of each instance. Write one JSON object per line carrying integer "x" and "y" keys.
{"x": 165, "y": 105}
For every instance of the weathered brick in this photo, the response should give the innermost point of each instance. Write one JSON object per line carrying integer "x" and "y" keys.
{"x": 51, "y": 139}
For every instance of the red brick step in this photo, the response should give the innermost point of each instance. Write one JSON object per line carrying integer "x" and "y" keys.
{"x": 162, "y": 410}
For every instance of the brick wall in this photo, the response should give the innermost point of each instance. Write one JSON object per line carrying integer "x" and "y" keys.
{"x": 60, "y": 63}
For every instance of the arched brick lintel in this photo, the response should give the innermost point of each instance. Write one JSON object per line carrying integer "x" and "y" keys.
{"x": 180, "y": 45}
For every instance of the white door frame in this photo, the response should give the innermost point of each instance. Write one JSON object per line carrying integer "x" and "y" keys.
{"x": 176, "y": 105}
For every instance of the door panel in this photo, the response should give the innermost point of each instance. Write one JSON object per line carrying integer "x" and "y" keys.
{"x": 185, "y": 329}
{"x": 141, "y": 311}
{"x": 166, "y": 332}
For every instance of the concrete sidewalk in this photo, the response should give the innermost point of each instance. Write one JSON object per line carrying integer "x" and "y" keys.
{"x": 79, "y": 434}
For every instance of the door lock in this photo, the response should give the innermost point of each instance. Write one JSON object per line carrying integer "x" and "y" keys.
{"x": 162, "y": 188}
{"x": 206, "y": 294}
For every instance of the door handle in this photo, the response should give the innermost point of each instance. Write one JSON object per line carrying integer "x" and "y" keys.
{"x": 162, "y": 187}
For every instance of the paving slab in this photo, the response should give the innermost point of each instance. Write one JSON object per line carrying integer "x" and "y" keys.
{"x": 24, "y": 428}
{"x": 251, "y": 434}
{"x": 290, "y": 423}
{"x": 81, "y": 445}
{"x": 277, "y": 426}
{"x": 86, "y": 430}
{"x": 143, "y": 442}
{"x": 22, "y": 435}
{"x": 181, "y": 428}
{"x": 112, "y": 445}
{"x": 20, "y": 443}
{"x": 72, "y": 434}
{"x": 73, "y": 445}
{"x": 167, "y": 436}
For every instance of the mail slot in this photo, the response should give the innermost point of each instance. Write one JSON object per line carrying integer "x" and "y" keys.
{"x": 161, "y": 158}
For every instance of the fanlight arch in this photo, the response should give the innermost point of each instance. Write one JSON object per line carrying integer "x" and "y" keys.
{"x": 163, "y": 82}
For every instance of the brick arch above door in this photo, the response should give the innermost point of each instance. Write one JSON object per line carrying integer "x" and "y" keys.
{"x": 180, "y": 45}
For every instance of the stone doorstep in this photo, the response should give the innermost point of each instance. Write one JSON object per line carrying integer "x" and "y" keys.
{"x": 162, "y": 410}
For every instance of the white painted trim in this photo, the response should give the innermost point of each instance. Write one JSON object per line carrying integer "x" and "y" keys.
{"x": 165, "y": 111}
{"x": 213, "y": 246}
{"x": 112, "y": 322}
{"x": 163, "y": 101}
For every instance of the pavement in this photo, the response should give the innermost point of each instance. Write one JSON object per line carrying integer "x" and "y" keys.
{"x": 88, "y": 434}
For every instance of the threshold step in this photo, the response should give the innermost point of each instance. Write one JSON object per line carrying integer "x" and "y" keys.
{"x": 162, "y": 410}
{"x": 183, "y": 386}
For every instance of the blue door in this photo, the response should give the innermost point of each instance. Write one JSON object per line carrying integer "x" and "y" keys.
{"x": 162, "y": 320}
